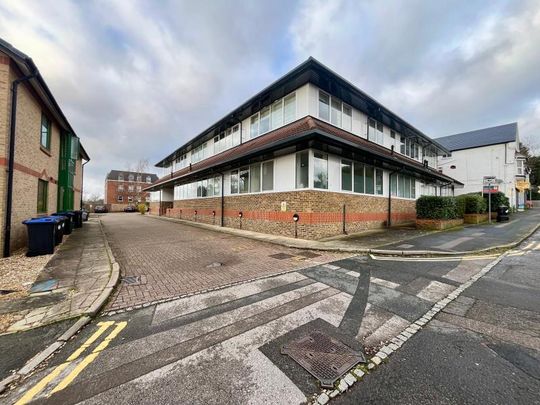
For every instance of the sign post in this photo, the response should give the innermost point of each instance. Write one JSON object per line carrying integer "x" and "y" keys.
{"x": 489, "y": 181}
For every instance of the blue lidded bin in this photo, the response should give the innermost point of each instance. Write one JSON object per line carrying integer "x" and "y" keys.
{"x": 41, "y": 235}
{"x": 70, "y": 221}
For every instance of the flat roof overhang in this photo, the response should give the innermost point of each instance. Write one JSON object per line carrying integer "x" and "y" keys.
{"x": 312, "y": 138}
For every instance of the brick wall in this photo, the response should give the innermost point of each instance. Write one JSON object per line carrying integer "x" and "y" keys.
{"x": 112, "y": 193}
{"x": 321, "y": 213}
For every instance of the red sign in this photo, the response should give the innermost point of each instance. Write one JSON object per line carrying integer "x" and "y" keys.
{"x": 491, "y": 190}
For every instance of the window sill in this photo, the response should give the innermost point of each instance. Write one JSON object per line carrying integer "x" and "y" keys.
{"x": 45, "y": 150}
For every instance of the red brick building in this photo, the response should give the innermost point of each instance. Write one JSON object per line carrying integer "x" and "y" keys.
{"x": 123, "y": 188}
{"x": 310, "y": 147}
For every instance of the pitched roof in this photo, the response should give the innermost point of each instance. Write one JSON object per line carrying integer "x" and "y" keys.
{"x": 28, "y": 67}
{"x": 113, "y": 175}
{"x": 481, "y": 137}
{"x": 310, "y": 71}
{"x": 294, "y": 133}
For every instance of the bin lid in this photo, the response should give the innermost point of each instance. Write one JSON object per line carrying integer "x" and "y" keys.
{"x": 44, "y": 220}
{"x": 64, "y": 213}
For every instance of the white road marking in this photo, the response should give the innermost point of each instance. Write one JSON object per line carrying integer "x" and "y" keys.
{"x": 384, "y": 283}
{"x": 435, "y": 291}
{"x": 430, "y": 259}
{"x": 353, "y": 274}
{"x": 405, "y": 246}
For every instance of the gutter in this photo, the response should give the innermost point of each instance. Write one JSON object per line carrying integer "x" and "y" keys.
{"x": 11, "y": 162}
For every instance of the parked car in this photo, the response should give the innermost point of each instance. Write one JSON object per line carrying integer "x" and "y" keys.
{"x": 130, "y": 208}
{"x": 85, "y": 214}
{"x": 100, "y": 209}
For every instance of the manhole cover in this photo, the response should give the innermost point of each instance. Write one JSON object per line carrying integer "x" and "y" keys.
{"x": 309, "y": 255}
{"x": 323, "y": 356}
{"x": 131, "y": 280}
{"x": 281, "y": 256}
{"x": 215, "y": 264}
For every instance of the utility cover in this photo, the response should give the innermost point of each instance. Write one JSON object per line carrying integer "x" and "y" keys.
{"x": 323, "y": 356}
{"x": 281, "y": 256}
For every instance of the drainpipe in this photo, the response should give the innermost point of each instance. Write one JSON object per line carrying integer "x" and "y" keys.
{"x": 11, "y": 162}
{"x": 223, "y": 197}
{"x": 82, "y": 182}
{"x": 389, "y": 221}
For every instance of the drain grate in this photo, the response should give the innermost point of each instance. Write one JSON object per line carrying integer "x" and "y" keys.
{"x": 309, "y": 255}
{"x": 281, "y": 256}
{"x": 323, "y": 356}
{"x": 131, "y": 280}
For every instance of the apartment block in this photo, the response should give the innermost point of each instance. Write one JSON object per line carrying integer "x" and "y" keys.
{"x": 45, "y": 174}
{"x": 123, "y": 188}
{"x": 311, "y": 155}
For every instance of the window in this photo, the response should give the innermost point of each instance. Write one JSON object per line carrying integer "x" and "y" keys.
{"x": 45, "y": 132}
{"x": 130, "y": 187}
{"x": 120, "y": 187}
{"x": 393, "y": 184}
{"x": 120, "y": 198}
{"x": 139, "y": 189}
{"x": 139, "y": 178}
{"x": 217, "y": 185}
{"x": 358, "y": 178}
{"x": 375, "y": 132}
{"x": 277, "y": 114}
{"x": 131, "y": 177}
{"x": 148, "y": 179}
{"x": 254, "y": 126}
{"x": 234, "y": 182}
{"x": 403, "y": 186}
{"x": 268, "y": 176}
{"x": 264, "y": 121}
{"x": 302, "y": 169}
{"x": 335, "y": 113}
{"x": 324, "y": 106}
{"x": 320, "y": 170}
{"x": 255, "y": 178}
{"x": 378, "y": 181}
{"x": 369, "y": 176}
{"x": 243, "y": 183}
{"x": 520, "y": 168}
{"x": 42, "y": 196}
{"x": 289, "y": 108}
{"x": 120, "y": 177}
{"x": 392, "y": 135}
{"x": 210, "y": 187}
{"x": 130, "y": 199}
{"x": 346, "y": 175}
{"x": 347, "y": 118}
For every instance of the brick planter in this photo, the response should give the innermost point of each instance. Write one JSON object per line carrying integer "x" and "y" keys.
{"x": 475, "y": 218}
{"x": 438, "y": 224}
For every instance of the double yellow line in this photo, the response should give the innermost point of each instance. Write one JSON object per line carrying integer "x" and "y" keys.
{"x": 103, "y": 326}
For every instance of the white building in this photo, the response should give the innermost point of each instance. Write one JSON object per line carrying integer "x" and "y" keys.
{"x": 487, "y": 152}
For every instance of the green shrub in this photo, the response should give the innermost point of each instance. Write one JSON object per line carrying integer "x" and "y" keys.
{"x": 433, "y": 207}
{"x": 142, "y": 208}
{"x": 475, "y": 204}
{"x": 497, "y": 199}
{"x": 461, "y": 203}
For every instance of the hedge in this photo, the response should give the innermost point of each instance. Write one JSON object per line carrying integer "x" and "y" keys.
{"x": 497, "y": 199}
{"x": 470, "y": 204}
{"x": 434, "y": 207}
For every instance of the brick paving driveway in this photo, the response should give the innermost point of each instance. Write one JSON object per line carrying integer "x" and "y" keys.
{"x": 171, "y": 259}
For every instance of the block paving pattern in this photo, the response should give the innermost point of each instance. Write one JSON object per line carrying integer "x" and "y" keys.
{"x": 173, "y": 259}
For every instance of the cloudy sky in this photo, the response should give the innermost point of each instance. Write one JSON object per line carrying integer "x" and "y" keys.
{"x": 137, "y": 79}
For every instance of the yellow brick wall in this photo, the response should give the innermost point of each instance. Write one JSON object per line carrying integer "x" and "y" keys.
{"x": 4, "y": 125}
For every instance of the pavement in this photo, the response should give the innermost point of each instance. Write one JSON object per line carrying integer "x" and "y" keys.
{"x": 72, "y": 286}
{"x": 406, "y": 240}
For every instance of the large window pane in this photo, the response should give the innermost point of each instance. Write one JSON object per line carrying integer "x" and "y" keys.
{"x": 243, "y": 183}
{"x": 254, "y": 127}
{"x": 407, "y": 187}
{"x": 45, "y": 131}
{"x": 346, "y": 175}
{"x": 234, "y": 182}
{"x": 302, "y": 169}
{"x": 217, "y": 186}
{"x": 401, "y": 186}
{"x": 413, "y": 188}
{"x": 347, "y": 118}
{"x": 358, "y": 178}
{"x": 289, "y": 108}
{"x": 336, "y": 113}
{"x": 277, "y": 114}
{"x": 204, "y": 188}
{"x": 320, "y": 170}
{"x": 370, "y": 180}
{"x": 268, "y": 176}
{"x": 199, "y": 189}
{"x": 264, "y": 122}
{"x": 43, "y": 188}
{"x": 393, "y": 184}
{"x": 324, "y": 106}
{"x": 210, "y": 187}
{"x": 255, "y": 178}
{"x": 379, "y": 182}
